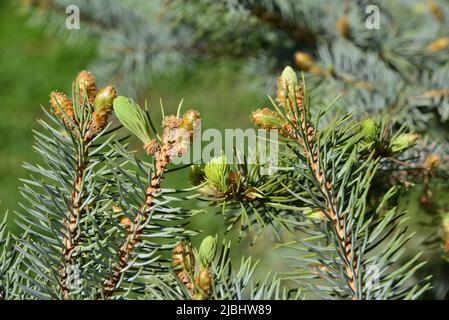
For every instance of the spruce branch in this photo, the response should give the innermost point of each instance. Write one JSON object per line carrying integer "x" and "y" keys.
{"x": 271, "y": 14}
{"x": 9, "y": 260}
{"x": 135, "y": 228}
{"x": 85, "y": 98}
{"x": 171, "y": 146}
{"x": 245, "y": 194}
{"x": 335, "y": 166}
{"x": 66, "y": 193}
{"x": 60, "y": 9}
{"x": 72, "y": 232}
{"x": 208, "y": 273}
{"x": 292, "y": 96}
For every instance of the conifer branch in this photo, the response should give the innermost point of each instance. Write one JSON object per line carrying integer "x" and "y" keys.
{"x": 292, "y": 97}
{"x": 85, "y": 117}
{"x": 174, "y": 129}
{"x": 72, "y": 233}
{"x": 274, "y": 18}
{"x": 57, "y": 8}
{"x": 135, "y": 228}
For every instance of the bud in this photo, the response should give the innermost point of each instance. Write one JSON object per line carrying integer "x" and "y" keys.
{"x": 403, "y": 141}
{"x": 305, "y": 61}
{"x": 287, "y": 88}
{"x": 234, "y": 181}
{"x": 216, "y": 172}
{"x": 188, "y": 120}
{"x": 102, "y": 110}
{"x": 182, "y": 257}
{"x": 132, "y": 118}
{"x": 436, "y": 10}
{"x": 267, "y": 119}
{"x": 314, "y": 214}
{"x": 171, "y": 122}
{"x": 251, "y": 194}
{"x": 369, "y": 130}
{"x": 196, "y": 175}
{"x": 446, "y": 223}
{"x": 207, "y": 250}
{"x": 343, "y": 26}
{"x": 183, "y": 263}
{"x": 152, "y": 148}
{"x": 199, "y": 296}
{"x": 125, "y": 222}
{"x": 60, "y": 103}
{"x": 85, "y": 82}
{"x": 289, "y": 75}
{"x": 104, "y": 99}
{"x": 204, "y": 280}
{"x": 211, "y": 191}
{"x": 432, "y": 161}
{"x": 116, "y": 209}
{"x": 438, "y": 45}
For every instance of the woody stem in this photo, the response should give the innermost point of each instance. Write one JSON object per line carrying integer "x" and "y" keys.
{"x": 344, "y": 237}
{"x": 135, "y": 229}
{"x": 71, "y": 236}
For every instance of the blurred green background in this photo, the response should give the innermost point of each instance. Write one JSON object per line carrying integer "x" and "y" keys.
{"x": 33, "y": 63}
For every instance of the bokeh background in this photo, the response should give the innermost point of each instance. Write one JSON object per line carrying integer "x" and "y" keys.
{"x": 34, "y": 61}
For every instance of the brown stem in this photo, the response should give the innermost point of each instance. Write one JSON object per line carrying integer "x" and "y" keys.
{"x": 71, "y": 237}
{"x": 329, "y": 211}
{"x": 135, "y": 229}
{"x": 344, "y": 238}
{"x": 435, "y": 93}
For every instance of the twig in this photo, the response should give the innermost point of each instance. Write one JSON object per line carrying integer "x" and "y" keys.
{"x": 72, "y": 231}
{"x": 135, "y": 229}
{"x": 311, "y": 151}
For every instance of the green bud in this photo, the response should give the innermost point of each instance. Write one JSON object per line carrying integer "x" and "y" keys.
{"x": 199, "y": 296}
{"x": 369, "y": 130}
{"x": 313, "y": 213}
{"x": 289, "y": 75}
{"x": 207, "y": 250}
{"x": 403, "y": 141}
{"x": 196, "y": 175}
{"x": 304, "y": 61}
{"x": 216, "y": 172}
{"x": 104, "y": 98}
{"x": 267, "y": 119}
{"x": 211, "y": 191}
{"x": 133, "y": 118}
